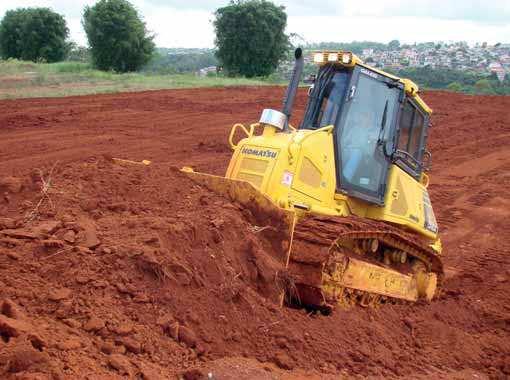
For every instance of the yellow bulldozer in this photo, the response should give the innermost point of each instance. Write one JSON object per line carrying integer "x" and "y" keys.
{"x": 346, "y": 190}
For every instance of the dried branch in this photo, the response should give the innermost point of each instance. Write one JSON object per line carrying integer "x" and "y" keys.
{"x": 46, "y": 186}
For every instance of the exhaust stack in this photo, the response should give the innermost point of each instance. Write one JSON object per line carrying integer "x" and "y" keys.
{"x": 290, "y": 95}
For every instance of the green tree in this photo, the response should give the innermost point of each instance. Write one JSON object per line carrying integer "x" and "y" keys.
{"x": 117, "y": 36}
{"x": 77, "y": 53}
{"x": 250, "y": 37}
{"x": 484, "y": 86}
{"x": 33, "y": 34}
{"x": 454, "y": 86}
{"x": 165, "y": 61}
{"x": 394, "y": 45}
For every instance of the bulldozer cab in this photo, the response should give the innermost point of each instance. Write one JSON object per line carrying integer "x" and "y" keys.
{"x": 375, "y": 124}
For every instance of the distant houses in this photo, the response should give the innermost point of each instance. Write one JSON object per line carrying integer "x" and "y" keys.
{"x": 207, "y": 71}
{"x": 480, "y": 58}
{"x": 498, "y": 69}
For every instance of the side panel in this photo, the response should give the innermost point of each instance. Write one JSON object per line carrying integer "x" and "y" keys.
{"x": 263, "y": 161}
{"x": 314, "y": 180}
{"x": 255, "y": 165}
{"x": 407, "y": 203}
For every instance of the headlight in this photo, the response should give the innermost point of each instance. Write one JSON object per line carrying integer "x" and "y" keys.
{"x": 346, "y": 58}
{"x": 333, "y": 57}
{"x": 318, "y": 57}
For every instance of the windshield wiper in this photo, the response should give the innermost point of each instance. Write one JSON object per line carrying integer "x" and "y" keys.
{"x": 380, "y": 140}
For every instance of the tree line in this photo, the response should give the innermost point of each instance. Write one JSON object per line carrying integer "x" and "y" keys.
{"x": 117, "y": 35}
{"x": 250, "y": 37}
{"x": 250, "y": 41}
{"x": 456, "y": 80}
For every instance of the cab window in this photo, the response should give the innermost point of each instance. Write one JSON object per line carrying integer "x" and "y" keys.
{"x": 334, "y": 98}
{"x": 414, "y": 146}
{"x": 410, "y": 137}
{"x": 366, "y": 122}
{"x": 406, "y": 123}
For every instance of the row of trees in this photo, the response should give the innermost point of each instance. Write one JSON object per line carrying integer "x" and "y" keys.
{"x": 456, "y": 80}
{"x": 250, "y": 36}
{"x": 250, "y": 40}
{"x": 173, "y": 61}
{"x": 116, "y": 34}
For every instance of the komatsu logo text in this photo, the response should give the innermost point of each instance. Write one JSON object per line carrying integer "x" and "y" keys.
{"x": 260, "y": 152}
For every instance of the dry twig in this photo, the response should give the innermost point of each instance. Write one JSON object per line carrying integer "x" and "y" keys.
{"x": 266, "y": 327}
{"x": 46, "y": 184}
{"x": 58, "y": 252}
{"x": 258, "y": 229}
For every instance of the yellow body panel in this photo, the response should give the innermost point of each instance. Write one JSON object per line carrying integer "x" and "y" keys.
{"x": 296, "y": 175}
{"x": 405, "y": 204}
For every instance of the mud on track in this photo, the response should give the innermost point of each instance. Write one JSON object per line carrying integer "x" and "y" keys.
{"x": 145, "y": 275}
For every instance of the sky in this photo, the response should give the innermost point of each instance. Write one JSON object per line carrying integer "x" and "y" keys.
{"x": 187, "y": 23}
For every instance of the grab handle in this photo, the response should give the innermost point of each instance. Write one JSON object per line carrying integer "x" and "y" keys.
{"x": 249, "y": 133}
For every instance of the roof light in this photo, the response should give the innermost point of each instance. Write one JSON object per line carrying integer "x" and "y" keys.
{"x": 333, "y": 57}
{"x": 318, "y": 57}
{"x": 346, "y": 58}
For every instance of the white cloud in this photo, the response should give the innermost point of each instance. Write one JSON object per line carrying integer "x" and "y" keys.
{"x": 178, "y": 23}
{"x": 409, "y": 30}
{"x": 474, "y": 10}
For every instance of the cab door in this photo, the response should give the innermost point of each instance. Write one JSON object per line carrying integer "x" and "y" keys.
{"x": 364, "y": 134}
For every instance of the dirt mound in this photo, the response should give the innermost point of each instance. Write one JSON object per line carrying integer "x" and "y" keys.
{"x": 111, "y": 270}
{"x": 128, "y": 267}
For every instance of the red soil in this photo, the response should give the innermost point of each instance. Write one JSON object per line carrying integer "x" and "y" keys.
{"x": 131, "y": 271}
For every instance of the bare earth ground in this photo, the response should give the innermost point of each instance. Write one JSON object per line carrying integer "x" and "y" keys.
{"x": 129, "y": 271}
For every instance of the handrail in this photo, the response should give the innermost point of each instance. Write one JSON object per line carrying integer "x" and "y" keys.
{"x": 249, "y": 133}
{"x": 327, "y": 128}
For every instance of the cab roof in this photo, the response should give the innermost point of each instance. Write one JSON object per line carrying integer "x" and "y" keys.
{"x": 339, "y": 57}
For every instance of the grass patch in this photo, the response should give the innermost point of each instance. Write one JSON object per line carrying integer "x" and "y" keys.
{"x": 19, "y": 79}
{"x": 68, "y": 67}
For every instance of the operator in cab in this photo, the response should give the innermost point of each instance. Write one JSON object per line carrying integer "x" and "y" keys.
{"x": 360, "y": 141}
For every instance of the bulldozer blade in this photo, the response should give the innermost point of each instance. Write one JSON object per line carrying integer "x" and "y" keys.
{"x": 276, "y": 223}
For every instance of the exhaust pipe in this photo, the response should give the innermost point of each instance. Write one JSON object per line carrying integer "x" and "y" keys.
{"x": 290, "y": 95}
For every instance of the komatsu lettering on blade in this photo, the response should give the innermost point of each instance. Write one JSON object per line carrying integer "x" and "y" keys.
{"x": 260, "y": 152}
{"x": 343, "y": 191}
